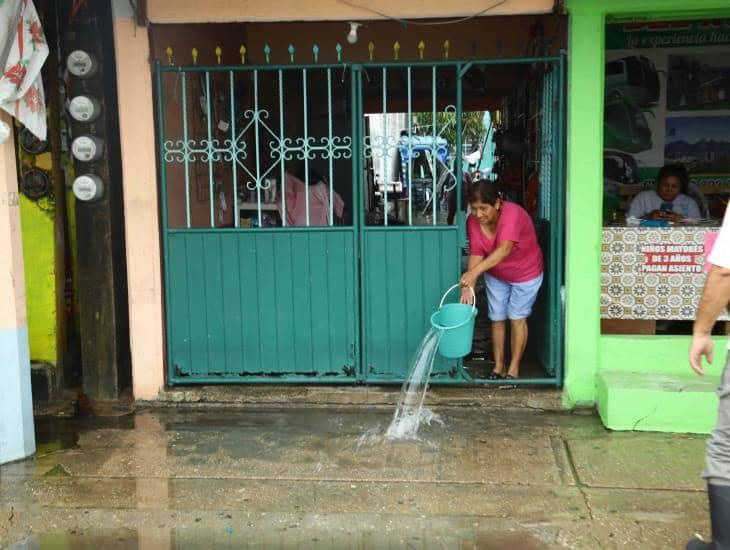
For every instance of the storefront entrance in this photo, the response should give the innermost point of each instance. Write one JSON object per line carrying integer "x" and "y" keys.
{"x": 312, "y": 217}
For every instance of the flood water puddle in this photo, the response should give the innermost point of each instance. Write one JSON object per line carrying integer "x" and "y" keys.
{"x": 229, "y": 538}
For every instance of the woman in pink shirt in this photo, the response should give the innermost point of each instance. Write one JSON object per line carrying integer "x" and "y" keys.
{"x": 503, "y": 248}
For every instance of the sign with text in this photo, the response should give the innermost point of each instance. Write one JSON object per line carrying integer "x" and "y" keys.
{"x": 652, "y": 273}
{"x": 667, "y": 34}
{"x": 672, "y": 258}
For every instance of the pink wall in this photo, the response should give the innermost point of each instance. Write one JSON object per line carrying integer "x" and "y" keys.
{"x": 191, "y": 11}
{"x": 12, "y": 275}
{"x": 136, "y": 128}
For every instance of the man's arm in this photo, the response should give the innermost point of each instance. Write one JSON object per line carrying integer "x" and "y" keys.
{"x": 715, "y": 297}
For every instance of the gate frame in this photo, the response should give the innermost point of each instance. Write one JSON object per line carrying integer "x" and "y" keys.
{"x": 557, "y": 208}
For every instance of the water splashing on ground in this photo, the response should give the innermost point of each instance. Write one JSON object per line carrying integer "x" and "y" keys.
{"x": 410, "y": 412}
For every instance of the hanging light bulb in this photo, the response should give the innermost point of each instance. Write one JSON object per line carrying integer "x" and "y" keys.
{"x": 352, "y": 35}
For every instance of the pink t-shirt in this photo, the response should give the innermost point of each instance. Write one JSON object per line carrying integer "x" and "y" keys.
{"x": 524, "y": 263}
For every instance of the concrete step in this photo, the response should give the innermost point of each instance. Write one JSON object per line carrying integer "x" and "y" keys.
{"x": 646, "y": 401}
{"x": 548, "y": 399}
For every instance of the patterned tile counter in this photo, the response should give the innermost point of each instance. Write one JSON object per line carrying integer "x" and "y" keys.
{"x": 652, "y": 273}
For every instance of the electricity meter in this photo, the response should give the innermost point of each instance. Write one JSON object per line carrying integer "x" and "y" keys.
{"x": 81, "y": 64}
{"x": 30, "y": 143}
{"x": 35, "y": 184}
{"x": 87, "y": 148}
{"x": 84, "y": 108}
{"x": 88, "y": 187}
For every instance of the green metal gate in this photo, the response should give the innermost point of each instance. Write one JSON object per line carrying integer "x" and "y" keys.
{"x": 547, "y": 323}
{"x": 406, "y": 267}
{"x": 327, "y": 294}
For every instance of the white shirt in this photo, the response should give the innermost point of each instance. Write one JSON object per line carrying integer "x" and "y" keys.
{"x": 648, "y": 201}
{"x": 720, "y": 255}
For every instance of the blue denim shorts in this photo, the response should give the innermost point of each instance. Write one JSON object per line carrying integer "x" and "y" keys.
{"x": 511, "y": 300}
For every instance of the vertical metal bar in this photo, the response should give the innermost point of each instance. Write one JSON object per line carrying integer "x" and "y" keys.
{"x": 457, "y": 163}
{"x": 358, "y": 159}
{"x": 410, "y": 150}
{"x": 385, "y": 145}
{"x": 358, "y": 181}
{"x": 281, "y": 138}
{"x": 256, "y": 141}
{"x": 541, "y": 161}
{"x": 161, "y": 142}
{"x": 543, "y": 158}
{"x": 551, "y": 109}
{"x": 209, "y": 118}
{"x": 458, "y": 218}
{"x": 559, "y": 218}
{"x": 184, "y": 95}
{"x": 360, "y": 285}
{"x": 164, "y": 214}
{"x": 234, "y": 153}
{"x": 552, "y": 149}
{"x": 306, "y": 147}
{"x": 555, "y": 225}
{"x": 329, "y": 133}
{"x": 551, "y": 133}
{"x": 550, "y": 141}
{"x": 434, "y": 146}
{"x": 553, "y": 138}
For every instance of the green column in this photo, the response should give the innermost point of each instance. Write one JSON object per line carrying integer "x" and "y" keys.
{"x": 585, "y": 176}
{"x": 584, "y": 192}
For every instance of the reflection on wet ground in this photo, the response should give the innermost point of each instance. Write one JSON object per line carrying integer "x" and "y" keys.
{"x": 204, "y": 539}
{"x": 326, "y": 478}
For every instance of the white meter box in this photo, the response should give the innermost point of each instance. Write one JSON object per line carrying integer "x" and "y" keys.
{"x": 87, "y": 148}
{"x": 88, "y": 187}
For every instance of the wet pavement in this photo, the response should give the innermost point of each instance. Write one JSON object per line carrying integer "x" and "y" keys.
{"x": 326, "y": 478}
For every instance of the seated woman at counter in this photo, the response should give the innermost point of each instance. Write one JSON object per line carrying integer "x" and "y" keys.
{"x": 670, "y": 200}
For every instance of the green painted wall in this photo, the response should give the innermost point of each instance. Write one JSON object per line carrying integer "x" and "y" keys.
{"x": 586, "y": 350}
{"x": 40, "y": 280}
{"x": 646, "y": 353}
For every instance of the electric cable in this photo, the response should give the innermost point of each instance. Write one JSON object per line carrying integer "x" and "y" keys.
{"x": 422, "y": 23}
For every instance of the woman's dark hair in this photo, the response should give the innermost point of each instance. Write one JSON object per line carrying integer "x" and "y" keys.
{"x": 484, "y": 191}
{"x": 676, "y": 170}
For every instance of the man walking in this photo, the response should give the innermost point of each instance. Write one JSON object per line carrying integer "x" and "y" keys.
{"x": 715, "y": 298}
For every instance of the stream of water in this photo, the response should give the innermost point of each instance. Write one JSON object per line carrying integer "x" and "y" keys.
{"x": 410, "y": 412}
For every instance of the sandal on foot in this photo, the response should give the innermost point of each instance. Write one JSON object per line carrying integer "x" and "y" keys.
{"x": 494, "y": 376}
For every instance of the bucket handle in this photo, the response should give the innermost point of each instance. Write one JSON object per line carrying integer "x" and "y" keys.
{"x": 473, "y": 296}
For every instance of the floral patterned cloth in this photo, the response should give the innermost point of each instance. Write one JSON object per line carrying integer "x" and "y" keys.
{"x": 23, "y": 42}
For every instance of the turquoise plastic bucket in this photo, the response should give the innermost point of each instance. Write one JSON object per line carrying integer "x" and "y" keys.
{"x": 456, "y": 323}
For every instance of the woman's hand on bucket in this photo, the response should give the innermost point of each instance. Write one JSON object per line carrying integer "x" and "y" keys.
{"x": 466, "y": 296}
{"x": 468, "y": 279}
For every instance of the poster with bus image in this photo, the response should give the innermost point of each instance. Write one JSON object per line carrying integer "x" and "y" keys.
{"x": 702, "y": 145}
{"x": 698, "y": 82}
{"x": 666, "y": 83}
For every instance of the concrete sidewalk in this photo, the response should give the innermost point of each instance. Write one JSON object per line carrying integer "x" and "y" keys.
{"x": 325, "y": 478}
